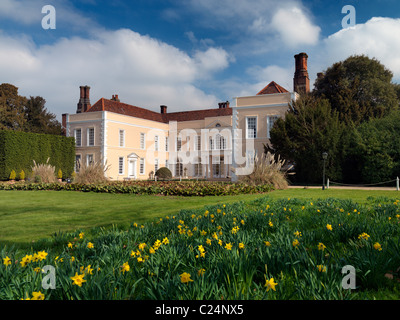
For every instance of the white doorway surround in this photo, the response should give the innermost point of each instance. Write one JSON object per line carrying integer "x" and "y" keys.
{"x": 132, "y": 165}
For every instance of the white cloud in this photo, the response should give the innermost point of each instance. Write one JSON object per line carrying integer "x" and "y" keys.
{"x": 143, "y": 71}
{"x": 258, "y": 21}
{"x": 377, "y": 38}
{"x": 294, "y": 27}
{"x": 280, "y": 75}
{"x": 211, "y": 60}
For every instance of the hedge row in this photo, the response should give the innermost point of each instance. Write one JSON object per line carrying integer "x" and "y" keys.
{"x": 183, "y": 188}
{"x": 19, "y": 149}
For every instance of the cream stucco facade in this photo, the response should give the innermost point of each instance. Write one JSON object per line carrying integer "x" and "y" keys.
{"x": 192, "y": 144}
{"x": 212, "y": 143}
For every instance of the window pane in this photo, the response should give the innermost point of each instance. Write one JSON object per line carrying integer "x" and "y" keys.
{"x": 178, "y": 144}
{"x": 121, "y": 138}
{"x": 91, "y": 136}
{"x": 78, "y": 137}
{"x": 251, "y": 127}
{"x": 121, "y": 165}
{"x": 77, "y": 162}
{"x": 142, "y": 141}
{"x": 271, "y": 120}
{"x": 156, "y": 143}
{"x": 141, "y": 168}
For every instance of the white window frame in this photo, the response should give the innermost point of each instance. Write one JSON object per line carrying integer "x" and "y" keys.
{"x": 122, "y": 138}
{"x": 156, "y": 144}
{"x": 142, "y": 140}
{"x": 90, "y": 143}
{"x": 77, "y": 166}
{"x": 198, "y": 143}
{"x": 178, "y": 144}
{"x": 270, "y": 125}
{"x": 121, "y": 165}
{"x": 76, "y": 137}
{"x": 198, "y": 167}
{"x": 88, "y": 156}
{"x": 254, "y": 136}
{"x": 142, "y": 166}
{"x": 156, "y": 166}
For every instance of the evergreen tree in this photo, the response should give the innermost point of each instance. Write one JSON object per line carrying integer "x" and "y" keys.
{"x": 38, "y": 119}
{"x": 11, "y": 108}
{"x": 310, "y": 128}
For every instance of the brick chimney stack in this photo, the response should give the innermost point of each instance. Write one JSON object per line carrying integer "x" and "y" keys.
{"x": 223, "y": 105}
{"x": 84, "y": 99}
{"x": 163, "y": 109}
{"x": 301, "y": 81}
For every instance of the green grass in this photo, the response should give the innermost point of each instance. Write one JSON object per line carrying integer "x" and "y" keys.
{"x": 27, "y": 216}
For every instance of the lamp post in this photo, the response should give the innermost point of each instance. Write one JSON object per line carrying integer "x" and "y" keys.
{"x": 324, "y": 157}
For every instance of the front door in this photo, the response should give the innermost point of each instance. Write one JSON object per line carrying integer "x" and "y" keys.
{"x": 132, "y": 168}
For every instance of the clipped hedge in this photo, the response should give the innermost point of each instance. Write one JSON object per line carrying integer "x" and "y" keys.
{"x": 19, "y": 149}
{"x": 174, "y": 188}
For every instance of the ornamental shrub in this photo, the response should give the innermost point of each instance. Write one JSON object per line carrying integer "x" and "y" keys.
{"x": 12, "y": 175}
{"x": 43, "y": 172}
{"x": 22, "y": 175}
{"x": 163, "y": 173}
{"x": 59, "y": 174}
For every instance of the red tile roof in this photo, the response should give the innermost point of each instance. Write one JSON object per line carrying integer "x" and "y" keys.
{"x": 133, "y": 111}
{"x": 272, "y": 88}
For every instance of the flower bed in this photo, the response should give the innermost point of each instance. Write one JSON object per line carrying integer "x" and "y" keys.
{"x": 175, "y": 188}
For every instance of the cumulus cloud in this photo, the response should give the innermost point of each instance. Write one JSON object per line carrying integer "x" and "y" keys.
{"x": 376, "y": 38}
{"x": 294, "y": 27}
{"x": 248, "y": 21}
{"x": 142, "y": 70}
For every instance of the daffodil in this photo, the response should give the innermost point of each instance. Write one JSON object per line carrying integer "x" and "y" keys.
{"x": 42, "y": 255}
{"x": 270, "y": 284}
{"x": 90, "y": 245}
{"x": 37, "y": 296}
{"x": 321, "y": 268}
{"x": 125, "y": 267}
{"x": 228, "y": 246}
{"x": 6, "y": 261}
{"x": 297, "y": 234}
{"x": 321, "y": 246}
{"x": 241, "y": 245}
{"x": 78, "y": 279}
{"x": 295, "y": 243}
{"x": 377, "y": 246}
{"x": 185, "y": 277}
{"x": 201, "y": 272}
{"x": 364, "y": 236}
{"x": 267, "y": 243}
{"x": 329, "y": 227}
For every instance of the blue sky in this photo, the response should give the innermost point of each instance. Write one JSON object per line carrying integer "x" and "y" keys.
{"x": 187, "y": 54}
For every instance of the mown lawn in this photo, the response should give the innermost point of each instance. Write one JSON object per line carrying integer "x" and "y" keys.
{"x": 287, "y": 245}
{"x": 27, "y": 216}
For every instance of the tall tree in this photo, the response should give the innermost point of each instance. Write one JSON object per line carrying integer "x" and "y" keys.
{"x": 310, "y": 128}
{"x": 11, "y": 108}
{"x": 359, "y": 88}
{"x": 38, "y": 119}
